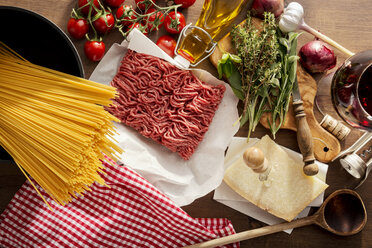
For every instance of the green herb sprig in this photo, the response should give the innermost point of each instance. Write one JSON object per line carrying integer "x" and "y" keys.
{"x": 258, "y": 68}
{"x": 262, "y": 72}
{"x": 288, "y": 59}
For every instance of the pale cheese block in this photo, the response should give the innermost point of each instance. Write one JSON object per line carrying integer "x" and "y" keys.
{"x": 286, "y": 192}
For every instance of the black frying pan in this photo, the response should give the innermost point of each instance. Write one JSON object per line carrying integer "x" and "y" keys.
{"x": 39, "y": 41}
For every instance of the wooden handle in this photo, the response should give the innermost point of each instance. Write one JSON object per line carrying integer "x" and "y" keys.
{"x": 325, "y": 38}
{"x": 254, "y": 233}
{"x": 305, "y": 139}
{"x": 255, "y": 159}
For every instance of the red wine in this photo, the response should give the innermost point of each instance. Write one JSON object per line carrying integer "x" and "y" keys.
{"x": 351, "y": 90}
{"x": 365, "y": 90}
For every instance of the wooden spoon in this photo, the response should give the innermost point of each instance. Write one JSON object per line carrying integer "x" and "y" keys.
{"x": 342, "y": 213}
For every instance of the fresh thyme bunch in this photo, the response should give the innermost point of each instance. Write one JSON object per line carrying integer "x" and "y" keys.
{"x": 259, "y": 67}
{"x": 262, "y": 71}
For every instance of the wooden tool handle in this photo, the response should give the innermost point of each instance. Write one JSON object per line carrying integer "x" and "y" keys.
{"x": 305, "y": 139}
{"x": 254, "y": 233}
{"x": 255, "y": 159}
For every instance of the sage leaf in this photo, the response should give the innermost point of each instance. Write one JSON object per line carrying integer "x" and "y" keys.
{"x": 292, "y": 36}
{"x": 235, "y": 58}
{"x": 293, "y": 58}
{"x": 285, "y": 43}
{"x": 219, "y": 70}
{"x": 224, "y": 58}
{"x": 227, "y": 69}
{"x": 293, "y": 72}
{"x": 275, "y": 82}
{"x": 238, "y": 93}
{"x": 235, "y": 78}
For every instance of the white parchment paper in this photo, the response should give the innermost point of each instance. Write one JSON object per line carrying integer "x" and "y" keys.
{"x": 182, "y": 181}
{"x": 225, "y": 195}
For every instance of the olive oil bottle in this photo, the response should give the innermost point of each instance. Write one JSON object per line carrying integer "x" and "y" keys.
{"x": 215, "y": 16}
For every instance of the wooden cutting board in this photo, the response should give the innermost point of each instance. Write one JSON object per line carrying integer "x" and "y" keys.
{"x": 326, "y": 146}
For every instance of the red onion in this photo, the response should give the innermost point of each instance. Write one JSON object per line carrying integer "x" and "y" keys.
{"x": 317, "y": 57}
{"x": 274, "y": 6}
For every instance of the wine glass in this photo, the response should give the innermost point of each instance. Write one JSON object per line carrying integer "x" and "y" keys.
{"x": 351, "y": 90}
{"x": 351, "y": 93}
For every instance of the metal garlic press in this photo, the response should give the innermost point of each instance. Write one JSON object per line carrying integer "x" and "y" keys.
{"x": 353, "y": 163}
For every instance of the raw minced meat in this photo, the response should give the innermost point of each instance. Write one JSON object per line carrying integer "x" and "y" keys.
{"x": 164, "y": 103}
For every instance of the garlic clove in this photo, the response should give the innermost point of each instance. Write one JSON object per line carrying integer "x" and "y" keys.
{"x": 291, "y": 17}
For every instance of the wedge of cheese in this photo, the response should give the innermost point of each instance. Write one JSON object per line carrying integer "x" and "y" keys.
{"x": 286, "y": 192}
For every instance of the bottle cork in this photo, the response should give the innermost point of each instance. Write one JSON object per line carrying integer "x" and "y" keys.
{"x": 339, "y": 130}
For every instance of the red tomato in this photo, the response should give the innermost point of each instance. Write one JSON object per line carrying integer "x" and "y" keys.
{"x": 114, "y": 3}
{"x": 185, "y": 3}
{"x": 172, "y": 25}
{"x": 85, "y": 10}
{"x": 77, "y": 28}
{"x": 140, "y": 27}
{"x": 167, "y": 44}
{"x": 124, "y": 14}
{"x": 156, "y": 17}
{"x": 142, "y": 6}
{"x": 94, "y": 50}
{"x": 101, "y": 26}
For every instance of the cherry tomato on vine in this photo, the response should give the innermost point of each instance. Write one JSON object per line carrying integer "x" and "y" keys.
{"x": 142, "y": 6}
{"x": 185, "y": 3}
{"x": 101, "y": 26}
{"x": 167, "y": 44}
{"x": 156, "y": 17}
{"x": 114, "y": 3}
{"x": 171, "y": 24}
{"x": 94, "y": 50}
{"x": 85, "y": 10}
{"x": 77, "y": 28}
{"x": 140, "y": 27}
{"x": 125, "y": 13}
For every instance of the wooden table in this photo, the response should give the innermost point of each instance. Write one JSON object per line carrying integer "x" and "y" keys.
{"x": 349, "y": 22}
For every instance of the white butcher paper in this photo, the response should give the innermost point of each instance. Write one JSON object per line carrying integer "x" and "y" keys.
{"x": 182, "y": 181}
{"x": 227, "y": 196}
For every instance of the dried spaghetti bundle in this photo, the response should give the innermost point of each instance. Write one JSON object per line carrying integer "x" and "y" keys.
{"x": 54, "y": 125}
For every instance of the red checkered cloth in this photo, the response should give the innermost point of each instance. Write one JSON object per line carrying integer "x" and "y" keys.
{"x": 129, "y": 213}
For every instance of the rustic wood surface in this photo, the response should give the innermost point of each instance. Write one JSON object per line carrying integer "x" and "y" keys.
{"x": 348, "y": 22}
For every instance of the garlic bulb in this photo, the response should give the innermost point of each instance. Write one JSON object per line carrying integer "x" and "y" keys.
{"x": 292, "y": 20}
{"x": 291, "y": 17}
